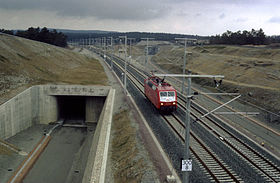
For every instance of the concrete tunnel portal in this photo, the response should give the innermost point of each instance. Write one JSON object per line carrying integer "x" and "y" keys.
{"x": 76, "y": 103}
{"x": 79, "y": 109}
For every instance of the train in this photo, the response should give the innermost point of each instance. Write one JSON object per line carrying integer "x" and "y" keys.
{"x": 162, "y": 95}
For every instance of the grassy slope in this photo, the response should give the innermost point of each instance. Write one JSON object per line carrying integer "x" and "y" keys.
{"x": 128, "y": 163}
{"x": 246, "y": 70}
{"x": 24, "y": 63}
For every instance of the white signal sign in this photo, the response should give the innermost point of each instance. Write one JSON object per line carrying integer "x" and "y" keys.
{"x": 187, "y": 165}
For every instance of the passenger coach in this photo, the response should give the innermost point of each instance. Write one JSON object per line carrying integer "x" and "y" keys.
{"x": 160, "y": 93}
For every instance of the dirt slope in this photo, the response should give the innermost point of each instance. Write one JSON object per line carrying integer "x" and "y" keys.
{"x": 254, "y": 72}
{"x": 24, "y": 62}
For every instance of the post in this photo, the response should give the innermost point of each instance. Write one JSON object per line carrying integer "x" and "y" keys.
{"x": 130, "y": 40}
{"x": 125, "y": 61}
{"x": 112, "y": 52}
{"x": 187, "y": 132}
{"x": 147, "y": 51}
{"x": 119, "y": 48}
{"x": 184, "y": 67}
{"x": 104, "y": 47}
{"x": 185, "y": 59}
{"x": 112, "y": 44}
{"x": 125, "y": 65}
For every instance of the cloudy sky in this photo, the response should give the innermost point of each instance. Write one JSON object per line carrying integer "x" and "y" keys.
{"x": 201, "y": 17}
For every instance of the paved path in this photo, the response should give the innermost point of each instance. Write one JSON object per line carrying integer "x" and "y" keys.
{"x": 55, "y": 163}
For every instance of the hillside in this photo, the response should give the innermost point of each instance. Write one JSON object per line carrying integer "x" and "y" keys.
{"x": 24, "y": 63}
{"x": 254, "y": 72}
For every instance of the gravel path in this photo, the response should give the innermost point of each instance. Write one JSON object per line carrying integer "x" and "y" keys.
{"x": 55, "y": 163}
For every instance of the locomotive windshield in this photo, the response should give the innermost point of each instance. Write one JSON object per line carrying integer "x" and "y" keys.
{"x": 171, "y": 94}
{"x": 167, "y": 96}
{"x": 163, "y": 94}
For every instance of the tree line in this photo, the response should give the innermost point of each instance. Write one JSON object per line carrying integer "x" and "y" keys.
{"x": 254, "y": 37}
{"x": 136, "y": 35}
{"x": 7, "y": 31}
{"x": 43, "y": 35}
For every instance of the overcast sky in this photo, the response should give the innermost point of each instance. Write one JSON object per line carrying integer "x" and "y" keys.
{"x": 201, "y": 17}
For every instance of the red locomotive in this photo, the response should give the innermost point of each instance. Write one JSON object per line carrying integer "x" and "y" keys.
{"x": 160, "y": 93}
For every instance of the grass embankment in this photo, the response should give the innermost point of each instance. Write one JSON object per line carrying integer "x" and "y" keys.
{"x": 24, "y": 63}
{"x": 128, "y": 164}
{"x": 253, "y": 72}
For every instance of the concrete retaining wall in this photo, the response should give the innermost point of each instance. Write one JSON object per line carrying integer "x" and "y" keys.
{"x": 97, "y": 159}
{"x": 48, "y": 106}
{"x": 30, "y": 107}
{"x": 19, "y": 113}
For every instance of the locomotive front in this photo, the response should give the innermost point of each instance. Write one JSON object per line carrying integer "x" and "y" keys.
{"x": 168, "y": 99}
{"x": 162, "y": 95}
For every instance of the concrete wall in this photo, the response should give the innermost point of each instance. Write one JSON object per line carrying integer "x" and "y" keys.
{"x": 38, "y": 105}
{"x": 97, "y": 158}
{"x": 94, "y": 107}
{"x": 30, "y": 107}
{"x": 48, "y": 106}
{"x": 19, "y": 113}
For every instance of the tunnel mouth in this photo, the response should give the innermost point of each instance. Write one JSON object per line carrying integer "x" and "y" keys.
{"x": 72, "y": 109}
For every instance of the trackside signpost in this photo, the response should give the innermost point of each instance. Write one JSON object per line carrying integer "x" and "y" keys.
{"x": 186, "y": 165}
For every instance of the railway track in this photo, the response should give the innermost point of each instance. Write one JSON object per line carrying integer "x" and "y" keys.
{"x": 213, "y": 167}
{"x": 208, "y": 160}
{"x": 265, "y": 167}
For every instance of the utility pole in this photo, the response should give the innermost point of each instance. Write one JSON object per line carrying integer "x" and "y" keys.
{"x": 119, "y": 48}
{"x": 104, "y": 48}
{"x": 111, "y": 44}
{"x": 185, "y": 58}
{"x": 187, "y": 133}
{"x": 130, "y": 41}
{"x": 147, "y": 49}
{"x": 125, "y": 61}
{"x": 112, "y": 52}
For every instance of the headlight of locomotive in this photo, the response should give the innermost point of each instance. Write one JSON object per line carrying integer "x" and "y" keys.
{"x": 161, "y": 103}
{"x": 174, "y": 103}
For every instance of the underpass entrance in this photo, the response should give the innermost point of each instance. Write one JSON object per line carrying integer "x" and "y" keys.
{"x": 79, "y": 109}
{"x": 71, "y": 108}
